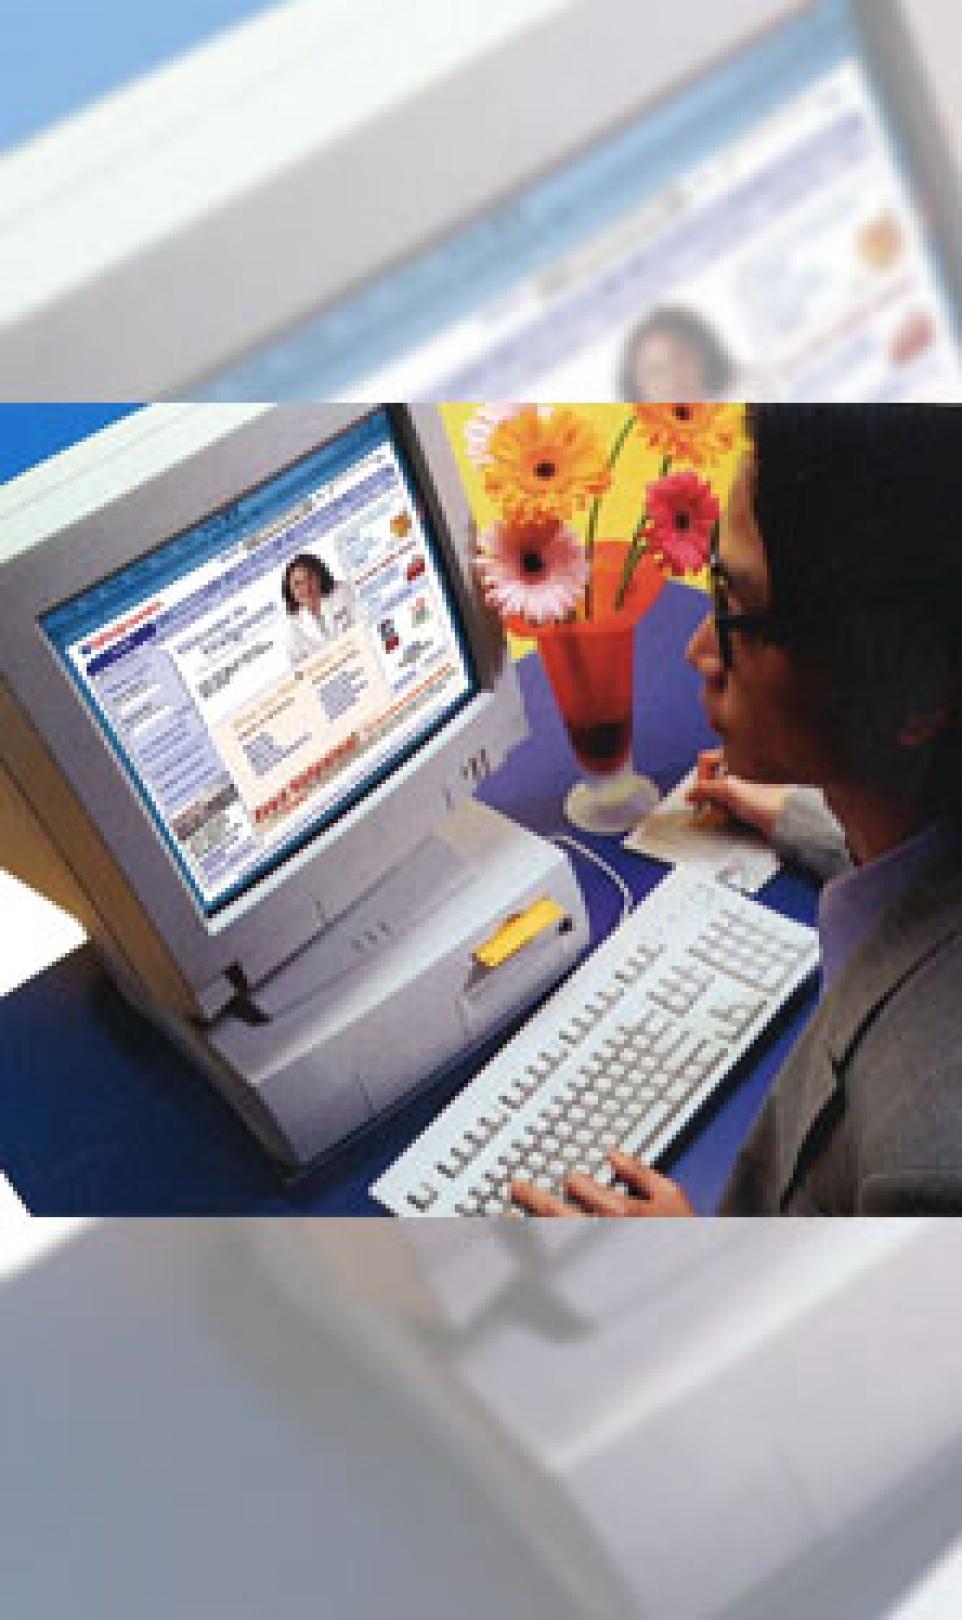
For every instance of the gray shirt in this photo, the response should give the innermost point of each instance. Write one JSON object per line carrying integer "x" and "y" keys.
{"x": 866, "y": 1115}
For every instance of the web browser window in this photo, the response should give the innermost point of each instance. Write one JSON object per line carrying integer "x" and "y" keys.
{"x": 755, "y": 236}
{"x": 259, "y": 673}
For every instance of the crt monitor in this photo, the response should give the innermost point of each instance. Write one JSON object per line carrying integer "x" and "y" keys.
{"x": 245, "y": 679}
{"x": 499, "y": 204}
{"x": 261, "y": 672}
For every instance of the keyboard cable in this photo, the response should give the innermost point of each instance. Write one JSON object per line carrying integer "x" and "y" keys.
{"x": 627, "y": 898}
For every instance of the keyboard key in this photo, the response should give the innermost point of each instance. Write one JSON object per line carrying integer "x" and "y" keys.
{"x": 655, "y": 1118}
{"x": 422, "y": 1198}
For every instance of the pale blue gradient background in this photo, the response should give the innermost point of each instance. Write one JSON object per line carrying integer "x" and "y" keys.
{"x": 57, "y": 55}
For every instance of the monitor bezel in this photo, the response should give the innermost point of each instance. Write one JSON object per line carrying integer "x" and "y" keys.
{"x": 273, "y": 918}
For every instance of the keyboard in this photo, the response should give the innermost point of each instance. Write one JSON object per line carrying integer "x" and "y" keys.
{"x": 624, "y": 1054}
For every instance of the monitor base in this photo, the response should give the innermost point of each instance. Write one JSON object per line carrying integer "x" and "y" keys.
{"x": 392, "y": 993}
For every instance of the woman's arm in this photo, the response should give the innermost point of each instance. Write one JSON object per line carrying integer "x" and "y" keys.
{"x": 807, "y": 833}
{"x": 796, "y": 820}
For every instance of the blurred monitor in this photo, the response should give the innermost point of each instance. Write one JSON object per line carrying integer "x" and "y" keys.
{"x": 759, "y": 234}
{"x": 584, "y": 202}
{"x": 482, "y": 1417}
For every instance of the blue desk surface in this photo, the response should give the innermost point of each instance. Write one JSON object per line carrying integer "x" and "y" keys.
{"x": 98, "y": 1113}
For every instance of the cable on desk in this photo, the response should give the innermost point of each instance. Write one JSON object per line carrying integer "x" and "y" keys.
{"x": 627, "y": 898}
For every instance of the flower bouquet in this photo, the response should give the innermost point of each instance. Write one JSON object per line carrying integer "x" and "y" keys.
{"x": 578, "y": 591}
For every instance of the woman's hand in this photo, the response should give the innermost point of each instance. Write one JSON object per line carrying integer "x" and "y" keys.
{"x": 649, "y": 1194}
{"x": 757, "y": 804}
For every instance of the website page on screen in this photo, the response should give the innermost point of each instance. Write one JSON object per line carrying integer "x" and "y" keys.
{"x": 756, "y": 236}
{"x": 260, "y": 672}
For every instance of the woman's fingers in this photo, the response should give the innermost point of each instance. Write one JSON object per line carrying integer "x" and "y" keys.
{"x": 595, "y": 1199}
{"x": 537, "y": 1201}
{"x": 712, "y": 789}
{"x": 757, "y": 804}
{"x": 648, "y": 1194}
{"x": 654, "y": 1194}
{"x": 638, "y": 1177}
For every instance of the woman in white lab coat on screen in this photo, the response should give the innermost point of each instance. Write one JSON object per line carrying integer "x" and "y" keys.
{"x": 318, "y": 607}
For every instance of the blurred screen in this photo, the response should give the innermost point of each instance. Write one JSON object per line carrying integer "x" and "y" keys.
{"x": 755, "y": 236}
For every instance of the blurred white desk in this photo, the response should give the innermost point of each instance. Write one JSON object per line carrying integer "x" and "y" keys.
{"x": 210, "y": 1419}
{"x": 177, "y": 1441}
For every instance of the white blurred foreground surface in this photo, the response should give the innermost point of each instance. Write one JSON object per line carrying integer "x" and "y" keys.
{"x": 747, "y": 1420}
{"x": 35, "y": 933}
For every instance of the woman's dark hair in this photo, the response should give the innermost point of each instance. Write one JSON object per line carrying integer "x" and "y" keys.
{"x": 860, "y": 512}
{"x": 313, "y": 565}
{"x": 693, "y": 332}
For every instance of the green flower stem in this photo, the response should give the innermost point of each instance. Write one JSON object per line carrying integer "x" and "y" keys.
{"x": 639, "y": 544}
{"x": 624, "y": 434}
{"x": 638, "y": 548}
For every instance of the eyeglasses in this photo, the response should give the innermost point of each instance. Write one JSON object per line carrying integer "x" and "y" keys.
{"x": 725, "y": 620}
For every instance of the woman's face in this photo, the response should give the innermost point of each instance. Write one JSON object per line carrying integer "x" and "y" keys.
{"x": 304, "y": 588}
{"x": 667, "y": 367}
{"x": 774, "y": 715}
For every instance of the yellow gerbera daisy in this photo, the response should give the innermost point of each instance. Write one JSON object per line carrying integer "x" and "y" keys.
{"x": 542, "y": 466}
{"x": 695, "y": 434}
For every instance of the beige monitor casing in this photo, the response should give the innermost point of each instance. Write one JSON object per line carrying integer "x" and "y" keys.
{"x": 345, "y": 976}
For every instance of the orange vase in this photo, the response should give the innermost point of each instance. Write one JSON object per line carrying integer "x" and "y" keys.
{"x": 590, "y": 665}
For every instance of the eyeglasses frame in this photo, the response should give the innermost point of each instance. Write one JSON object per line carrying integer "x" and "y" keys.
{"x": 725, "y": 621}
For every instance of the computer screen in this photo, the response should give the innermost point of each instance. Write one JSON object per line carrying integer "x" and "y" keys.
{"x": 763, "y": 232}
{"x": 244, "y": 676}
{"x": 260, "y": 672}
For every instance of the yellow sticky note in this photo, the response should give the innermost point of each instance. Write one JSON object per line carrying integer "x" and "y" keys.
{"x": 517, "y": 931}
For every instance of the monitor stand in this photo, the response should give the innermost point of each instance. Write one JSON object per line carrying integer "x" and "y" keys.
{"x": 392, "y": 993}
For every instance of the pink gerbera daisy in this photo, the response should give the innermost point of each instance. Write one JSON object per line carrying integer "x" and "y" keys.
{"x": 533, "y": 571}
{"x": 683, "y": 512}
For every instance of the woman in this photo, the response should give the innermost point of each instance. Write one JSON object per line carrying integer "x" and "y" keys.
{"x": 675, "y": 354}
{"x": 831, "y": 656}
{"x": 318, "y": 607}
